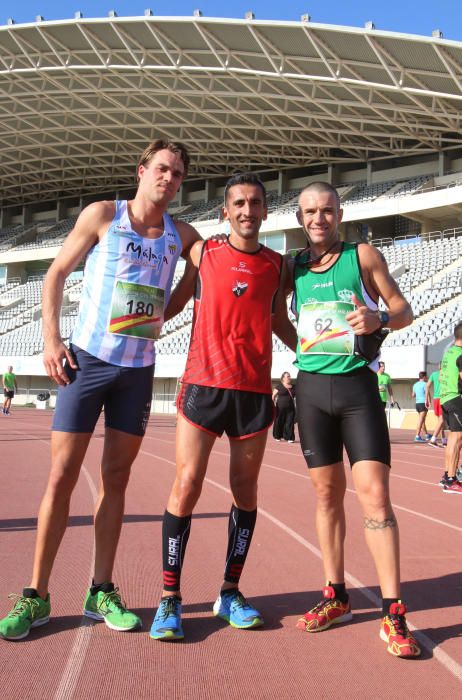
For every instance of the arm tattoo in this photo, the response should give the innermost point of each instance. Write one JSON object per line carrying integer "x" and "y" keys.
{"x": 372, "y": 524}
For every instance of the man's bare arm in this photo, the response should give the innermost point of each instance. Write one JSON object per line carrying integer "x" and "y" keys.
{"x": 185, "y": 287}
{"x": 85, "y": 234}
{"x": 282, "y": 326}
{"x": 378, "y": 279}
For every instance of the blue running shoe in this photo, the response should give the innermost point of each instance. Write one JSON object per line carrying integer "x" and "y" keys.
{"x": 233, "y": 607}
{"x": 167, "y": 622}
{"x": 419, "y": 439}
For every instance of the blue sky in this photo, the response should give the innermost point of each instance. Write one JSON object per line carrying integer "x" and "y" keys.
{"x": 408, "y": 16}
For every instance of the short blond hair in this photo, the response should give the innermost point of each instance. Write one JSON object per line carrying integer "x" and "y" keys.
{"x": 161, "y": 145}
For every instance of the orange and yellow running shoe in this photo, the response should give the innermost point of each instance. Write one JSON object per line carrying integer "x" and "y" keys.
{"x": 329, "y": 611}
{"x": 395, "y": 633}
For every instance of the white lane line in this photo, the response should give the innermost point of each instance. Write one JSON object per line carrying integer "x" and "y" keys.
{"x": 444, "y": 523}
{"x": 71, "y": 673}
{"x": 76, "y": 659}
{"x": 442, "y": 657}
{"x": 403, "y": 508}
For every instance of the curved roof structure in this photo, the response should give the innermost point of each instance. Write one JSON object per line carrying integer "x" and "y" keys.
{"x": 80, "y": 99}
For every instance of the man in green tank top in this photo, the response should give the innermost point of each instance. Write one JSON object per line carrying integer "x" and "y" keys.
{"x": 337, "y": 287}
{"x": 384, "y": 383}
{"x": 9, "y": 387}
{"x": 451, "y": 402}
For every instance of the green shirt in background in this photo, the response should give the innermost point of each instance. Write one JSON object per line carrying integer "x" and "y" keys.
{"x": 435, "y": 379}
{"x": 8, "y": 380}
{"x": 449, "y": 375}
{"x": 384, "y": 381}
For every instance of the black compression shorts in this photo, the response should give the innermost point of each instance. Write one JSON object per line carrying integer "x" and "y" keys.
{"x": 336, "y": 410}
{"x": 452, "y": 412}
{"x": 240, "y": 414}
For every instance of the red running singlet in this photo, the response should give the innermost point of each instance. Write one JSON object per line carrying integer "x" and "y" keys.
{"x": 231, "y": 342}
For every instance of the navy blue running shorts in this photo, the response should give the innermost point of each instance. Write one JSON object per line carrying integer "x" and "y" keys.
{"x": 125, "y": 393}
{"x": 341, "y": 410}
{"x": 239, "y": 414}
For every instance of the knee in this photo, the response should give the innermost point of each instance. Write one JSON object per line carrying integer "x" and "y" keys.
{"x": 115, "y": 477}
{"x": 186, "y": 491}
{"x": 60, "y": 485}
{"x": 329, "y": 496}
{"x": 375, "y": 499}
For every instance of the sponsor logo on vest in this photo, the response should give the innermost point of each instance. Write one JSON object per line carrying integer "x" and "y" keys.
{"x": 173, "y": 550}
{"x": 345, "y": 294}
{"x": 242, "y": 541}
{"x": 171, "y": 248}
{"x": 240, "y": 288}
{"x": 322, "y": 285}
{"x": 144, "y": 256}
{"x": 242, "y": 269}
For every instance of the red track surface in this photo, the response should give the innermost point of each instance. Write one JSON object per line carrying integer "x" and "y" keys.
{"x": 73, "y": 657}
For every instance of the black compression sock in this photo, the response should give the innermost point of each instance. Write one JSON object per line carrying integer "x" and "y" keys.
{"x": 340, "y": 592}
{"x": 175, "y": 535}
{"x": 386, "y": 602}
{"x": 240, "y": 530}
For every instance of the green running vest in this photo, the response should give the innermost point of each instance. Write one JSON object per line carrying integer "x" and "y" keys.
{"x": 322, "y": 300}
{"x": 449, "y": 374}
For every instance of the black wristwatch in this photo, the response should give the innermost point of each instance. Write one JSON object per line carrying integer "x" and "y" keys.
{"x": 384, "y": 317}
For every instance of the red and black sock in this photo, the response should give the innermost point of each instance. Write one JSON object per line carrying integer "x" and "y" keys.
{"x": 175, "y": 535}
{"x": 240, "y": 530}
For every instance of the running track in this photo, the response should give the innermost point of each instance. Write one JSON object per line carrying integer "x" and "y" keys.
{"x": 73, "y": 657}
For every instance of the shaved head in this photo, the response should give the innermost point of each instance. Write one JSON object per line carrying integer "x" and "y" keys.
{"x": 318, "y": 187}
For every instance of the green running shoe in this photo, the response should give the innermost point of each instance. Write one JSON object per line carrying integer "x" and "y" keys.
{"x": 107, "y": 605}
{"x": 28, "y": 611}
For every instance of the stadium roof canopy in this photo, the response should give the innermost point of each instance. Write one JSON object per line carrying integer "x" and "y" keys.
{"x": 80, "y": 99}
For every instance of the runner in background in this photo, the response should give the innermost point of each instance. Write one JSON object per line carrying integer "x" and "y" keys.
{"x": 434, "y": 381}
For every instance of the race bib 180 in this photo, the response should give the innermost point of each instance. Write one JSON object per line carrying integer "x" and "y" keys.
{"x": 323, "y": 330}
{"x": 136, "y": 310}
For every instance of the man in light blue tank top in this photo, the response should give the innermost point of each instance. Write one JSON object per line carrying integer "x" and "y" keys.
{"x": 419, "y": 393}
{"x": 131, "y": 249}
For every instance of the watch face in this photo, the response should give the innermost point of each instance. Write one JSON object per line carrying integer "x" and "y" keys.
{"x": 384, "y": 317}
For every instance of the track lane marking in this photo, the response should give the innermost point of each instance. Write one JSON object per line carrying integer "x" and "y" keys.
{"x": 76, "y": 659}
{"x": 432, "y": 647}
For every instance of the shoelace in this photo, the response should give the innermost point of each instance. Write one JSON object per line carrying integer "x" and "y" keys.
{"x": 240, "y": 602}
{"x": 22, "y": 604}
{"x": 168, "y": 607}
{"x": 323, "y": 604}
{"x": 114, "y": 598}
{"x": 398, "y": 622}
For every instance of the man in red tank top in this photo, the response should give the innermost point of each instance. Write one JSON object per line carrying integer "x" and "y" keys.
{"x": 226, "y": 388}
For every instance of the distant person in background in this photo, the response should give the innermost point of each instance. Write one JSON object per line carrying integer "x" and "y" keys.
{"x": 421, "y": 406}
{"x": 284, "y": 400}
{"x": 9, "y": 387}
{"x": 434, "y": 380}
{"x": 384, "y": 382}
{"x": 451, "y": 401}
